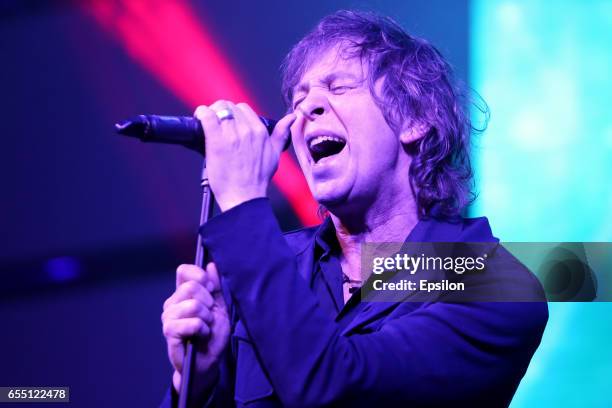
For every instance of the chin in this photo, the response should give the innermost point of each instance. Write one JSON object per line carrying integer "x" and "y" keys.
{"x": 329, "y": 195}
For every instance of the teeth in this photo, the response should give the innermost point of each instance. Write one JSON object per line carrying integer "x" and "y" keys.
{"x": 320, "y": 139}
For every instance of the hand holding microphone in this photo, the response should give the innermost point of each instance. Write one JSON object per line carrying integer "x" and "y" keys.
{"x": 241, "y": 157}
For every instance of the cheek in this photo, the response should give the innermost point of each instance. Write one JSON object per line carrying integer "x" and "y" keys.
{"x": 297, "y": 141}
{"x": 300, "y": 150}
{"x": 302, "y": 154}
{"x": 359, "y": 114}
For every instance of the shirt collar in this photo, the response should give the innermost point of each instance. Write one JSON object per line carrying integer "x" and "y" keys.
{"x": 325, "y": 238}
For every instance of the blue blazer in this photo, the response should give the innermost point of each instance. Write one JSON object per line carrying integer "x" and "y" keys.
{"x": 289, "y": 347}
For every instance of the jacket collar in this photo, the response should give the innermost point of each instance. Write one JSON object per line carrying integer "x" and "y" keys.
{"x": 431, "y": 229}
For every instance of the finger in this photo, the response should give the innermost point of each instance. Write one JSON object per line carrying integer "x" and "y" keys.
{"x": 240, "y": 121}
{"x": 281, "y": 132}
{"x": 194, "y": 290}
{"x": 185, "y": 328}
{"x": 176, "y": 352}
{"x": 252, "y": 117}
{"x": 208, "y": 118}
{"x": 299, "y": 121}
{"x": 187, "y": 272}
{"x": 236, "y": 125}
{"x": 189, "y": 290}
{"x": 187, "y": 309}
{"x": 214, "y": 282}
{"x": 221, "y": 105}
{"x": 176, "y": 380}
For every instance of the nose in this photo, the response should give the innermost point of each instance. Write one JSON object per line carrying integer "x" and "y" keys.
{"x": 314, "y": 105}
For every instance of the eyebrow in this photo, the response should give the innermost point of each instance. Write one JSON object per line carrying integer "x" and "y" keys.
{"x": 303, "y": 87}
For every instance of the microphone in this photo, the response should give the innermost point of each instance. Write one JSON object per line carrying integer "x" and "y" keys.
{"x": 182, "y": 130}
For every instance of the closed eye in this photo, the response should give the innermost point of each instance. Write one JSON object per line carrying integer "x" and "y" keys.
{"x": 297, "y": 102}
{"x": 340, "y": 89}
{"x": 333, "y": 89}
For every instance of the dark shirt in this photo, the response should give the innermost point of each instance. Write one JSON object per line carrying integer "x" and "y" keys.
{"x": 295, "y": 343}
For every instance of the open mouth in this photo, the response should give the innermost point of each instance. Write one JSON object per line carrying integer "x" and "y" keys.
{"x": 325, "y": 146}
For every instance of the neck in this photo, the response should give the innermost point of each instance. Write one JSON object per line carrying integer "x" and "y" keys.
{"x": 385, "y": 221}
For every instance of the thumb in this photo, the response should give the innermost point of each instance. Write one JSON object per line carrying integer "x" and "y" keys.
{"x": 213, "y": 284}
{"x": 281, "y": 132}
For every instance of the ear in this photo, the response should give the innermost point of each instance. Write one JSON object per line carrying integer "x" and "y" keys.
{"x": 413, "y": 131}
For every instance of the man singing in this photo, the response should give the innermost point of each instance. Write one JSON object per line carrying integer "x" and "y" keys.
{"x": 382, "y": 137}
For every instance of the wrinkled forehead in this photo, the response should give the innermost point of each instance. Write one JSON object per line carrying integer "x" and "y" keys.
{"x": 327, "y": 60}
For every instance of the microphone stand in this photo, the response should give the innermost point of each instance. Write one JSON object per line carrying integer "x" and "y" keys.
{"x": 201, "y": 259}
{"x": 186, "y": 131}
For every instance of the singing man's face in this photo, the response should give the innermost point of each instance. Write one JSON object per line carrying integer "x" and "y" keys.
{"x": 348, "y": 153}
